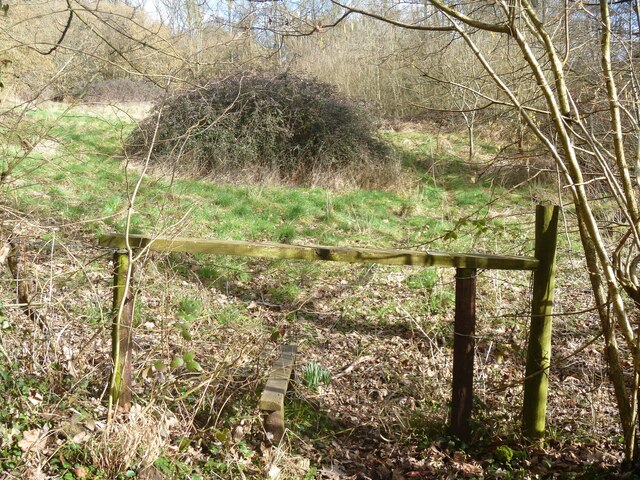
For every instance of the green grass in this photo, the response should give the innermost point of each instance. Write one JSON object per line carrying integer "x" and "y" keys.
{"x": 286, "y": 293}
{"x": 309, "y": 422}
{"x": 85, "y": 181}
{"x": 231, "y": 315}
{"x": 211, "y": 301}
{"x": 424, "y": 279}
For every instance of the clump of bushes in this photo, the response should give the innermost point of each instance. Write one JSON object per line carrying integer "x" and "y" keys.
{"x": 253, "y": 126}
{"x": 121, "y": 91}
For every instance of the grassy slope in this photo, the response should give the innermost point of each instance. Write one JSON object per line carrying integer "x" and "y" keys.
{"x": 229, "y": 310}
{"x": 85, "y": 181}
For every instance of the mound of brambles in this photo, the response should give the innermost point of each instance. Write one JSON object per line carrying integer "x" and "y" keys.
{"x": 120, "y": 91}
{"x": 250, "y": 126}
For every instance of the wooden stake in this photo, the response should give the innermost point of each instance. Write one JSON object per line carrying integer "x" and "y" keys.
{"x": 534, "y": 407}
{"x": 120, "y": 383}
{"x": 23, "y": 285}
{"x": 272, "y": 398}
{"x": 463, "y": 352}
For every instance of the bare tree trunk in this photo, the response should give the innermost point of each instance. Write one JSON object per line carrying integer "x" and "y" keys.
{"x": 612, "y": 351}
{"x": 472, "y": 146}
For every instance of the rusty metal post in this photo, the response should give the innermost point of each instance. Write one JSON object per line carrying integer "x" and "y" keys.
{"x": 463, "y": 353}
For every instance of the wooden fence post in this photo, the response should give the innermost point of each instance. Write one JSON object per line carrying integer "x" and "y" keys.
{"x": 463, "y": 352}
{"x": 272, "y": 398}
{"x": 534, "y": 408}
{"x": 120, "y": 383}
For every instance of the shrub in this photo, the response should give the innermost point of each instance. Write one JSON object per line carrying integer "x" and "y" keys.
{"x": 121, "y": 91}
{"x": 285, "y": 126}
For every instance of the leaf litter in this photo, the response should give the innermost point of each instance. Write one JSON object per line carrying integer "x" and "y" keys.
{"x": 383, "y": 415}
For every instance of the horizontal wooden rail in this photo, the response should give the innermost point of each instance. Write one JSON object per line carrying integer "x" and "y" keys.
{"x": 314, "y": 252}
{"x": 465, "y": 316}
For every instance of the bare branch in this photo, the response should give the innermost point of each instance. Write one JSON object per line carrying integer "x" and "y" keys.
{"x": 408, "y": 26}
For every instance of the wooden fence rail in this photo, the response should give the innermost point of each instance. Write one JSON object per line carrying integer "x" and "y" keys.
{"x": 320, "y": 253}
{"x": 543, "y": 265}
